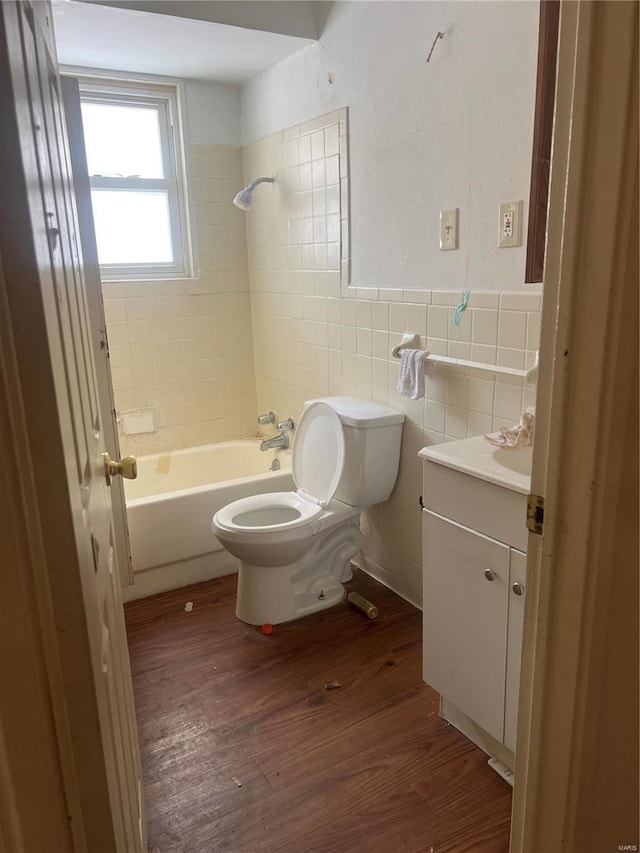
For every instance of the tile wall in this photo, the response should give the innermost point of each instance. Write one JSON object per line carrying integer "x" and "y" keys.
{"x": 313, "y": 338}
{"x": 184, "y": 347}
{"x": 269, "y": 323}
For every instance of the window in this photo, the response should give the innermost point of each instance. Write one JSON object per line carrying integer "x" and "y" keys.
{"x": 137, "y": 183}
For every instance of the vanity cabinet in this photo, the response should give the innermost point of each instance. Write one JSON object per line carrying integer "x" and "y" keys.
{"x": 474, "y": 564}
{"x": 517, "y": 576}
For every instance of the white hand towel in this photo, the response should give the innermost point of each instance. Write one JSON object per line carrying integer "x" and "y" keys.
{"x": 413, "y": 369}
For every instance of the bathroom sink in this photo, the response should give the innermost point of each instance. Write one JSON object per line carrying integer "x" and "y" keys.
{"x": 515, "y": 460}
{"x": 476, "y": 456}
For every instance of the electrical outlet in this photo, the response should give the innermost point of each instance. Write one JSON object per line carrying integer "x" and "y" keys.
{"x": 448, "y": 230}
{"x": 510, "y": 225}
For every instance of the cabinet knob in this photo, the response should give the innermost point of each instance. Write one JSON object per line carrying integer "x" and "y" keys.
{"x": 518, "y": 589}
{"x": 489, "y": 575}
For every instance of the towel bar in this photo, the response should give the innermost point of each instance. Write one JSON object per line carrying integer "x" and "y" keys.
{"x": 411, "y": 341}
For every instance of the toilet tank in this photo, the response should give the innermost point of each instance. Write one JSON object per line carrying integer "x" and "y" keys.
{"x": 373, "y": 433}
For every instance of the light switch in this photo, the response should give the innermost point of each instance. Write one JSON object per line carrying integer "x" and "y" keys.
{"x": 510, "y": 225}
{"x": 448, "y": 230}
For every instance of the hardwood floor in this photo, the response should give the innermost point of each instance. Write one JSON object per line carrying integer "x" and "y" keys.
{"x": 244, "y": 749}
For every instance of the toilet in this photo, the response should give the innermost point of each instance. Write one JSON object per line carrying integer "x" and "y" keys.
{"x": 295, "y": 547}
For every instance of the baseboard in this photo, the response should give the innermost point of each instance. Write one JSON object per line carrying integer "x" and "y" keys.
{"x": 176, "y": 575}
{"x": 220, "y": 563}
{"x": 476, "y": 734}
{"x": 371, "y": 568}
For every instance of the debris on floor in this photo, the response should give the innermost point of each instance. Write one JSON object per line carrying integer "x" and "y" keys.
{"x": 267, "y": 629}
{"x": 360, "y": 603}
{"x": 188, "y": 607}
{"x": 236, "y": 782}
{"x": 332, "y": 685}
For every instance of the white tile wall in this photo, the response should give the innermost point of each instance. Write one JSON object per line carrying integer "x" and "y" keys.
{"x": 185, "y": 347}
{"x": 269, "y": 322}
{"x": 313, "y": 337}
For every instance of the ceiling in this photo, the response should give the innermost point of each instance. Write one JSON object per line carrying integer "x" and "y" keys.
{"x": 96, "y": 36}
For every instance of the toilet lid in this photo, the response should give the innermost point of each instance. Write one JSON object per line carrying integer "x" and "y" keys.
{"x": 318, "y": 453}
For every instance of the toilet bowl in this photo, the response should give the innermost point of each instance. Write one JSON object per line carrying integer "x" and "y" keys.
{"x": 295, "y": 547}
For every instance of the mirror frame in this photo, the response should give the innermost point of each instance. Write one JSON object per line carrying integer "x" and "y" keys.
{"x": 542, "y": 134}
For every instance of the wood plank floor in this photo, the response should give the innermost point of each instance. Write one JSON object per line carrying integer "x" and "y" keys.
{"x": 368, "y": 766}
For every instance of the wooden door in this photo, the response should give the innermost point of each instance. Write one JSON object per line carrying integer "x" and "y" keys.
{"x": 465, "y": 619}
{"x": 42, "y": 260}
{"x": 97, "y": 321}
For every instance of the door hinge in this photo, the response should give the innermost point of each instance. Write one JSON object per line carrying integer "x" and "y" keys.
{"x": 535, "y": 514}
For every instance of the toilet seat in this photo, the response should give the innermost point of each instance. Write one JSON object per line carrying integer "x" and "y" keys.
{"x": 318, "y": 455}
{"x": 231, "y": 516}
{"x": 317, "y": 464}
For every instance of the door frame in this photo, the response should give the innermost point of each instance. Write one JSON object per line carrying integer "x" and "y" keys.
{"x": 585, "y": 288}
{"x": 587, "y": 398}
{"x": 33, "y": 699}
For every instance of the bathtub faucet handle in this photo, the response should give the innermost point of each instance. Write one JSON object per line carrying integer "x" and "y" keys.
{"x": 267, "y": 418}
{"x": 287, "y": 426}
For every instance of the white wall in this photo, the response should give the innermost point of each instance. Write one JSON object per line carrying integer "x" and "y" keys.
{"x": 211, "y": 110}
{"x": 456, "y": 132}
{"x": 213, "y": 113}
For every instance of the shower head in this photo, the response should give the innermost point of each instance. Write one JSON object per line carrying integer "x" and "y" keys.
{"x": 244, "y": 197}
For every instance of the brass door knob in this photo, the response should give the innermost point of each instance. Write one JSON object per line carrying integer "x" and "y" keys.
{"x": 127, "y": 467}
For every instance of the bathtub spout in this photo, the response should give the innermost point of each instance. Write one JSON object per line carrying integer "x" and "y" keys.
{"x": 281, "y": 440}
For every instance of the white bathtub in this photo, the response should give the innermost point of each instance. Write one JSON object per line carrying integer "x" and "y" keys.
{"x": 170, "y": 506}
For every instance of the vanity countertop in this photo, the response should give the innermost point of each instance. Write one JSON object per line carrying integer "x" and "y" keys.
{"x": 475, "y": 456}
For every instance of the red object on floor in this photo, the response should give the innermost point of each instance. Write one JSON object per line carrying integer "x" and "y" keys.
{"x": 267, "y": 629}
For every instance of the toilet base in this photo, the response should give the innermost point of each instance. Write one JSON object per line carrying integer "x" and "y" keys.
{"x": 276, "y": 594}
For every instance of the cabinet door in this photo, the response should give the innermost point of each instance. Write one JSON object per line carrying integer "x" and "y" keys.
{"x": 517, "y": 575}
{"x": 465, "y": 619}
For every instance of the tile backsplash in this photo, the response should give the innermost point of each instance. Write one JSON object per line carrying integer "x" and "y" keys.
{"x": 314, "y": 345}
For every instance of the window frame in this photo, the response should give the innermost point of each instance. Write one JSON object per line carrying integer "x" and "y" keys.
{"x": 165, "y": 99}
